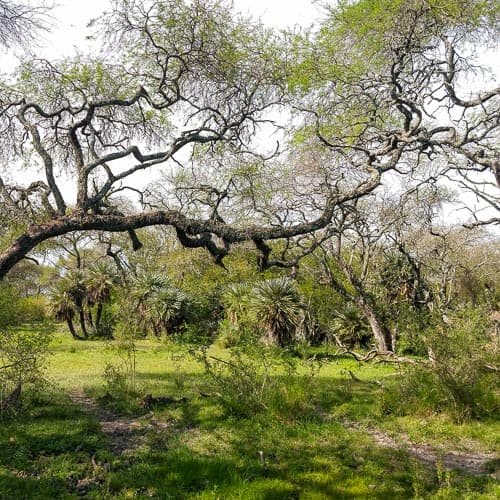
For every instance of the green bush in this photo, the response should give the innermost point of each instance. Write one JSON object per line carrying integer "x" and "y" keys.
{"x": 261, "y": 379}
{"x": 31, "y": 309}
{"x": 8, "y": 306}
{"x": 23, "y": 356}
{"x": 460, "y": 376}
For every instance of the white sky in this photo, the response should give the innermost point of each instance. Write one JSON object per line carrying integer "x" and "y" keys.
{"x": 72, "y": 16}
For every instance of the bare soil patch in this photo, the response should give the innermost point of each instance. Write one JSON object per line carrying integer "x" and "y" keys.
{"x": 125, "y": 434}
{"x": 471, "y": 462}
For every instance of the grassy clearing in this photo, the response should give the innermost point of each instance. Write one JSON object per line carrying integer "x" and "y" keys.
{"x": 298, "y": 444}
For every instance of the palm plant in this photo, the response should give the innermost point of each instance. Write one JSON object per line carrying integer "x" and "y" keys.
{"x": 99, "y": 284}
{"x": 350, "y": 327}
{"x": 142, "y": 287}
{"x": 236, "y": 302}
{"x": 277, "y": 306}
{"x": 159, "y": 305}
{"x": 74, "y": 284}
{"x": 63, "y": 308}
{"x": 167, "y": 308}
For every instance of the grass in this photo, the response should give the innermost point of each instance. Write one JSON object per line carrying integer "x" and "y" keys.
{"x": 297, "y": 444}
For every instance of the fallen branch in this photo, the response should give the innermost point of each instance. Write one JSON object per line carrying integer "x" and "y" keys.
{"x": 492, "y": 368}
{"x": 357, "y": 379}
{"x": 149, "y": 400}
{"x": 385, "y": 356}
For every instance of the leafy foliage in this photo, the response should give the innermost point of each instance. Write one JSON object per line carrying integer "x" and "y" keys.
{"x": 23, "y": 359}
{"x": 277, "y": 306}
{"x": 460, "y": 376}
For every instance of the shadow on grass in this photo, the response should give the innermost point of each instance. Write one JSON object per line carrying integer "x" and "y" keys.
{"x": 46, "y": 449}
{"x": 295, "y": 448}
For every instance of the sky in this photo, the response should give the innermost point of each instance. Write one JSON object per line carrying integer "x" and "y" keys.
{"x": 70, "y": 19}
{"x": 72, "y": 16}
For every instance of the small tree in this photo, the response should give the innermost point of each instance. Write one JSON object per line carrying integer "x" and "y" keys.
{"x": 277, "y": 307}
{"x": 23, "y": 354}
{"x": 63, "y": 308}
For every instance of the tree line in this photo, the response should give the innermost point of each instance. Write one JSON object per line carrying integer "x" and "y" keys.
{"x": 377, "y": 127}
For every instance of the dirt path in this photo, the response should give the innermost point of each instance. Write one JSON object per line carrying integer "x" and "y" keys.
{"x": 124, "y": 434}
{"x": 127, "y": 434}
{"x": 471, "y": 462}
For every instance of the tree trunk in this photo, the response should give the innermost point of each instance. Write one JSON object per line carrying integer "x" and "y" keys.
{"x": 382, "y": 335}
{"x": 72, "y": 330}
{"x": 98, "y": 315}
{"x": 156, "y": 330}
{"x": 89, "y": 317}
{"x": 81, "y": 314}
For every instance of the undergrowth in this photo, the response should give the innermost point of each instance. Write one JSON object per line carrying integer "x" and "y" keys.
{"x": 257, "y": 424}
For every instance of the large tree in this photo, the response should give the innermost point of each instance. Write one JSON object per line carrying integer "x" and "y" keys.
{"x": 193, "y": 88}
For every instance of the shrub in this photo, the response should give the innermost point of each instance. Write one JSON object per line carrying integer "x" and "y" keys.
{"x": 121, "y": 376}
{"x": 261, "y": 378}
{"x": 32, "y": 309}
{"x": 23, "y": 356}
{"x": 8, "y": 306}
{"x": 460, "y": 376}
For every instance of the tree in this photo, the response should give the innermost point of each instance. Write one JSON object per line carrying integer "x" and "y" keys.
{"x": 100, "y": 281}
{"x": 21, "y": 21}
{"x": 63, "y": 308}
{"x": 277, "y": 307}
{"x": 193, "y": 84}
{"x": 73, "y": 284}
{"x": 350, "y": 247}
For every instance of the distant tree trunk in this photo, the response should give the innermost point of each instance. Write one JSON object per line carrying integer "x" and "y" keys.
{"x": 381, "y": 333}
{"x": 83, "y": 326}
{"x": 72, "y": 330}
{"x": 156, "y": 330}
{"x": 361, "y": 298}
{"x": 98, "y": 315}
{"x": 89, "y": 317}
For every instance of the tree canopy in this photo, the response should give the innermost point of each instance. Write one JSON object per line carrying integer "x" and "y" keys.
{"x": 187, "y": 94}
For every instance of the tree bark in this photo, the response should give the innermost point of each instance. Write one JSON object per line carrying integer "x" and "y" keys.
{"x": 360, "y": 297}
{"x": 72, "y": 330}
{"x": 382, "y": 335}
{"x": 191, "y": 232}
{"x": 81, "y": 314}
{"x": 98, "y": 315}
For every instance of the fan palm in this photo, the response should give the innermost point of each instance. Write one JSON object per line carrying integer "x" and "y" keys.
{"x": 74, "y": 284}
{"x": 236, "y": 302}
{"x": 278, "y": 307}
{"x": 63, "y": 308}
{"x": 167, "y": 308}
{"x": 99, "y": 286}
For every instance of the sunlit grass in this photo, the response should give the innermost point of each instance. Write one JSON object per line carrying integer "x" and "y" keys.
{"x": 301, "y": 445}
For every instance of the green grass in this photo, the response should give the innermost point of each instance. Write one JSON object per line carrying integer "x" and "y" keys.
{"x": 297, "y": 445}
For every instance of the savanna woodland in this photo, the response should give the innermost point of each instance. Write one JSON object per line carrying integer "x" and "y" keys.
{"x": 243, "y": 262}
